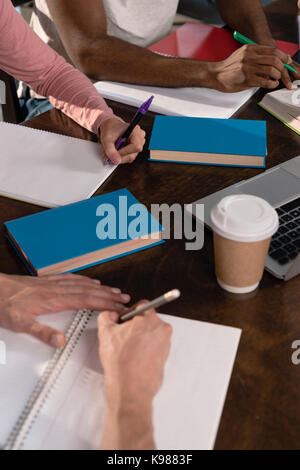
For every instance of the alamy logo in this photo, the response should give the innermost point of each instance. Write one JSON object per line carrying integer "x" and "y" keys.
{"x": 296, "y": 353}
{"x": 133, "y": 221}
{"x": 2, "y": 93}
{"x": 2, "y": 353}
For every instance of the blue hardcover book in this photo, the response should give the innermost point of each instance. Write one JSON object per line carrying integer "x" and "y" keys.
{"x": 83, "y": 234}
{"x": 232, "y": 142}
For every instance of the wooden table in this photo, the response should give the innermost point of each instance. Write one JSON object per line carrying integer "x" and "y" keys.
{"x": 262, "y": 408}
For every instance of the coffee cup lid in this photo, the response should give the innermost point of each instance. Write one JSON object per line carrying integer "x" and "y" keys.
{"x": 245, "y": 218}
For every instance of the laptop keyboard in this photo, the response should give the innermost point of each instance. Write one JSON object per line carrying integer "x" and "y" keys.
{"x": 285, "y": 244}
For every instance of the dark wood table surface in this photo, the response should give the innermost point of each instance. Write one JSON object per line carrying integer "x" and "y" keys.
{"x": 262, "y": 407}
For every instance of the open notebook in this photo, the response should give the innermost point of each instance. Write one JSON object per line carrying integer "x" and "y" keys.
{"x": 57, "y": 401}
{"x": 49, "y": 169}
{"x": 284, "y": 105}
{"x": 194, "y": 102}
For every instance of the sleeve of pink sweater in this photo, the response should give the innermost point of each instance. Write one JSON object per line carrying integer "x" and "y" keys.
{"x": 26, "y": 57}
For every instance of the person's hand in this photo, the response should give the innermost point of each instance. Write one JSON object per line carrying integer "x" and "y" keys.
{"x": 133, "y": 355}
{"x": 252, "y": 66}
{"x": 23, "y": 298}
{"x": 289, "y": 76}
{"x": 111, "y": 130}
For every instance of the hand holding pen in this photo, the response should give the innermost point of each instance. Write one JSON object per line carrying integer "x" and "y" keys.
{"x": 111, "y": 129}
{"x": 125, "y": 149}
{"x": 283, "y": 70}
{"x": 156, "y": 303}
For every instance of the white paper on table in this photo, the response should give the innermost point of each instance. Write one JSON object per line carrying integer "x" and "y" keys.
{"x": 187, "y": 409}
{"x": 194, "y": 102}
{"x": 49, "y": 169}
{"x": 26, "y": 360}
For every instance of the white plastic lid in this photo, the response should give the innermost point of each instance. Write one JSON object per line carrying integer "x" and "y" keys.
{"x": 244, "y": 218}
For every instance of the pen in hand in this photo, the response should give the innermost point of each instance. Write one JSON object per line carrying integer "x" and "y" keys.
{"x": 244, "y": 40}
{"x": 158, "y": 302}
{"x": 136, "y": 120}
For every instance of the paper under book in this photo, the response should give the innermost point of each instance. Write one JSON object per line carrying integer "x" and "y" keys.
{"x": 284, "y": 105}
{"x": 83, "y": 234}
{"x": 194, "y": 102}
{"x": 56, "y": 400}
{"x": 49, "y": 169}
{"x": 232, "y": 142}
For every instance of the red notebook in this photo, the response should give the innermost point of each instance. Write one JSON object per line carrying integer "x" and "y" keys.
{"x": 205, "y": 42}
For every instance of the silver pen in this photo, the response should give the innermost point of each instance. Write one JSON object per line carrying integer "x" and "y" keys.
{"x": 162, "y": 300}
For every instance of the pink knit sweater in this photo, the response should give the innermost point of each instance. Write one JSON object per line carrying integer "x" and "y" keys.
{"x": 26, "y": 57}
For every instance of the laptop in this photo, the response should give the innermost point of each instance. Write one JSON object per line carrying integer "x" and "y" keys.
{"x": 280, "y": 186}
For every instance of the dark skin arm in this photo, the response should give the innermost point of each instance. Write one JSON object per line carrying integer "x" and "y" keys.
{"x": 83, "y": 33}
{"x": 247, "y": 16}
{"x": 102, "y": 57}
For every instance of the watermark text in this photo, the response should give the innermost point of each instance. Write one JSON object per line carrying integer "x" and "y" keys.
{"x": 296, "y": 354}
{"x": 131, "y": 221}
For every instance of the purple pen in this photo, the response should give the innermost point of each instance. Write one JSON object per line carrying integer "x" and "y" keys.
{"x": 136, "y": 120}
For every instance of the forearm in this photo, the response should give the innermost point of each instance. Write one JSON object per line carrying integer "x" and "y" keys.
{"x": 73, "y": 94}
{"x": 26, "y": 57}
{"x": 248, "y": 17}
{"x": 128, "y": 427}
{"x": 103, "y": 57}
{"x": 110, "y": 58}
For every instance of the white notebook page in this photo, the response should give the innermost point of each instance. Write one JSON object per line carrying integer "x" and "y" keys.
{"x": 26, "y": 360}
{"x": 187, "y": 409}
{"x": 194, "y": 102}
{"x": 49, "y": 169}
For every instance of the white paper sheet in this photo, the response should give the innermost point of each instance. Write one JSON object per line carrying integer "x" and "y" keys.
{"x": 187, "y": 409}
{"x": 26, "y": 359}
{"x": 195, "y": 102}
{"x": 49, "y": 169}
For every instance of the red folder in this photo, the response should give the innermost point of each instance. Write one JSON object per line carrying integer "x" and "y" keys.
{"x": 205, "y": 42}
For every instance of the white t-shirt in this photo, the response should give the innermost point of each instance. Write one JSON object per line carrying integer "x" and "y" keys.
{"x": 140, "y": 22}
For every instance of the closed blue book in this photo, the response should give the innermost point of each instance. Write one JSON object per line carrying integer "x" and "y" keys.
{"x": 232, "y": 142}
{"x": 83, "y": 234}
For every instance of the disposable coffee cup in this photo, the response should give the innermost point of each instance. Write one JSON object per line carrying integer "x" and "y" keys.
{"x": 243, "y": 226}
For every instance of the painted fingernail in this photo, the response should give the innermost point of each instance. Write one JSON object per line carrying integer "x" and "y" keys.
{"x": 57, "y": 341}
{"x": 115, "y": 290}
{"x": 125, "y": 297}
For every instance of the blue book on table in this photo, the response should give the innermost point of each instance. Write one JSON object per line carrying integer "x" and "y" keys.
{"x": 232, "y": 142}
{"x": 83, "y": 234}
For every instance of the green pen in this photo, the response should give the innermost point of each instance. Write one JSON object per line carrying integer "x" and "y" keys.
{"x": 243, "y": 40}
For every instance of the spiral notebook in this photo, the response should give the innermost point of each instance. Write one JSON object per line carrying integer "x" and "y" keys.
{"x": 49, "y": 169}
{"x": 57, "y": 401}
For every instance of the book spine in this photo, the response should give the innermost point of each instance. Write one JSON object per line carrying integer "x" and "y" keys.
{"x": 42, "y": 391}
